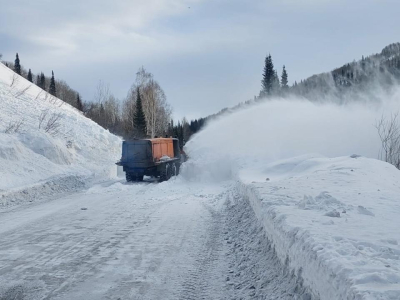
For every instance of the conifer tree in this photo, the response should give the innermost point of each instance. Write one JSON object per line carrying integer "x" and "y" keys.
{"x": 38, "y": 80}
{"x": 181, "y": 135}
{"x": 268, "y": 79}
{"x": 30, "y": 76}
{"x": 17, "y": 66}
{"x": 42, "y": 81}
{"x": 79, "y": 104}
{"x": 170, "y": 131}
{"x": 52, "y": 87}
{"x": 139, "y": 119}
{"x": 284, "y": 80}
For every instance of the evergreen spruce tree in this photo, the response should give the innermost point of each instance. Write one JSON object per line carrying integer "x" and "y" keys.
{"x": 139, "y": 119}
{"x": 17, "y": 66}
{"x": 42, "y": 81}
{"x": 52, "y": 87}
{"x": 267, "y": 82}
{"x": 176, "y": 130}
{"x": 79, "y": 104}
{"x": 38, "y": 80}
{"x": 170, "y": 131}
{"x": 30, "y": 76}
{"x": 181, "y": 135}
{"x": 284, "y": 80}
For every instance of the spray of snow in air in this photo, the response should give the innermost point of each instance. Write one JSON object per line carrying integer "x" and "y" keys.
{"x": 278, "y": 129}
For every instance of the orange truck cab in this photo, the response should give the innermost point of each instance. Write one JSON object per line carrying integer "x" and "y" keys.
{"x": 158, "y": 157}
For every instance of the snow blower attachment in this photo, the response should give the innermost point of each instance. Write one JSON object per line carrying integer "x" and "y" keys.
{"x": 158, "y": 157}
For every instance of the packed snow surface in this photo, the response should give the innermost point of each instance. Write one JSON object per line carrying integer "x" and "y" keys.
{"x": 75, "y": 149}
{"x": 118, "y": 240}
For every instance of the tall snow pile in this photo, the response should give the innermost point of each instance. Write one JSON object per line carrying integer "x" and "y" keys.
{"x": 310, "y": 173}
{"x": 46, "y": 144}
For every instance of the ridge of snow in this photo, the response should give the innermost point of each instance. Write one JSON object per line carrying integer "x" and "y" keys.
{"x": 333, "y": 221}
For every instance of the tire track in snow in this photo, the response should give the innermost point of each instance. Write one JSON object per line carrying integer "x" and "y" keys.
{"x": 205, "y": 279}
{"x": 255, "y": 271}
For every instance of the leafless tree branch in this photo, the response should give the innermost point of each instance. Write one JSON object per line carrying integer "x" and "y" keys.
{"x": 53, "y": 124}
{"x": 14, "y": 127}
{"x": 389, "y": 134}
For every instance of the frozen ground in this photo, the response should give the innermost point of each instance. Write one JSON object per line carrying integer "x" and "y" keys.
{"x": 174, "y": 240}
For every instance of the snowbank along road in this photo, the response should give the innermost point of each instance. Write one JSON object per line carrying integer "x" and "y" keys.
{"x": 174, "y": 240}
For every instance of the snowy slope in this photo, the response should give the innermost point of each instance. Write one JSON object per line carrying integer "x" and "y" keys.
{"x": 35, "y": 161}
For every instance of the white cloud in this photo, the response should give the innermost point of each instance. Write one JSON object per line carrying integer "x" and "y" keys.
{"x": 131, "y": 31}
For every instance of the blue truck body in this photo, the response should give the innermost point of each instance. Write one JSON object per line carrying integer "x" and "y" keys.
{"x": 142, "y": 158}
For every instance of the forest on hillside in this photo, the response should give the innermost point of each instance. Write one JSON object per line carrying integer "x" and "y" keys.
{"x": 350, "y": 82}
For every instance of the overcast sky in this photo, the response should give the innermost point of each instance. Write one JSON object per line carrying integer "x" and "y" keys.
{"x": 206, "y": 54}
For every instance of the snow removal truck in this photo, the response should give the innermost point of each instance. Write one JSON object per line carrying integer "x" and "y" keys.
{"x": 158, "y": 157}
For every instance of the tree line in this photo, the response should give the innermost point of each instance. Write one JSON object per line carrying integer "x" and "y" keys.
{"x": 144, "y": 113}
{"x": 345, "y": 83}
{"x": 57, "y": 88}
{"x": 349, "y": 80}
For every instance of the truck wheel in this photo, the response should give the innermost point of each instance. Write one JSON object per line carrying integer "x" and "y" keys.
{"x": 163, "y": 173}
{"x": 166, "y": 172}
{"x": 139, "y": 177}
{"x": 134, "y": 177}
{"x": 170, "y": 171}
{"x": 177, "y": 169}
{"x": 128, "y": 177}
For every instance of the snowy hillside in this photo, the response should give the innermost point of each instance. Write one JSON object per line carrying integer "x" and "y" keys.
{"x": 45, "y": 144}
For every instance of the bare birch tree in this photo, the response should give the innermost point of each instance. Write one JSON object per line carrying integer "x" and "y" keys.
{"x": 389, "y": 134}
{"x": 155, "y": 106}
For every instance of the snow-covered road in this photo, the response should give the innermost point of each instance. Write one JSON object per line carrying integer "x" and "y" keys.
{"x": 139, "y": 241}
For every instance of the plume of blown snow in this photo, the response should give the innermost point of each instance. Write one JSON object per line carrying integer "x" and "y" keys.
{"x": 279, "y": 129}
